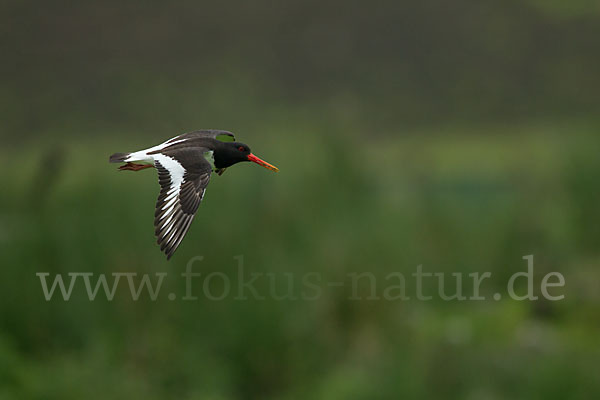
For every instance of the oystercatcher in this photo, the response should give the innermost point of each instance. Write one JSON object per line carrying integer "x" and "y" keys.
{"x": 184, "y": 164}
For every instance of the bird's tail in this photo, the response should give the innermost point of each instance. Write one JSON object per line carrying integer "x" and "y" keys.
{"x": 118, "y": 157}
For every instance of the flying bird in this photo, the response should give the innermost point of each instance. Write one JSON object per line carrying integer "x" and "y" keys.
{"x": 184, "y": 164}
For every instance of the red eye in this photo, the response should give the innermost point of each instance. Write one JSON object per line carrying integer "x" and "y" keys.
{"x": 241, "y": 148}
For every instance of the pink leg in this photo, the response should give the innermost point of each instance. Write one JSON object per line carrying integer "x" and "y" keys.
{"x": 134, "y": 167}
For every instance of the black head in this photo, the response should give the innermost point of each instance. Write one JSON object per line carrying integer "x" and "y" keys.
{"x": 230, "y": 153}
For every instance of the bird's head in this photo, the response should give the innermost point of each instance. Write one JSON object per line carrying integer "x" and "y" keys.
{"x": 234, "y": 152}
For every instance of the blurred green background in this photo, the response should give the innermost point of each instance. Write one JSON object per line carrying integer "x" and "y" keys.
{"x": 460, "y": 135}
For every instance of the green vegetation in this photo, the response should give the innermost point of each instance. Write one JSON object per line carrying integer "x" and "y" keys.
{"x": 458, "y": 202}
{"x": 459, "y": 136}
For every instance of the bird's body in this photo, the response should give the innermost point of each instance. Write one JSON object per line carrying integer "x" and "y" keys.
{"x": 184, "y": 164}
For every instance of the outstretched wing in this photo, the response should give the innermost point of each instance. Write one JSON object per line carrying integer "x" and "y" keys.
{"x": 183, "y": 175}
{"x": 223, "y": 136}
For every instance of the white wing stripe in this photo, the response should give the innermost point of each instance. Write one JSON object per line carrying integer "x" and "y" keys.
{"x": 169, "y": 203}
{"x": 176, "y": 173}
{"x": 167, "y": 221}
{"x": 168, "y": 229}
{"x": 143, "y": 155}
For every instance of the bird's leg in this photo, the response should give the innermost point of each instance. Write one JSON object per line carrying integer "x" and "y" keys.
{"x": 134, "y": 167}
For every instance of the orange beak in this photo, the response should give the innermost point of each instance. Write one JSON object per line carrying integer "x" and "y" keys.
{"x": 253, "y": 158}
